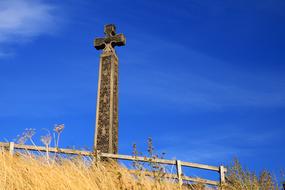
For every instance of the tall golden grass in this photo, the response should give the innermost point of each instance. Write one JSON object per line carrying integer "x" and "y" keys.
{"x": 27, "y": 172}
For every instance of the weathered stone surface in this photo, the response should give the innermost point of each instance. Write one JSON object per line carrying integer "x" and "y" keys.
{"x": 106, "y": 135}
{"x": 110, "y": 38}
{"x": 118, "y": 40}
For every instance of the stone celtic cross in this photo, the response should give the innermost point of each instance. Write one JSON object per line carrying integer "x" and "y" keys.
{"x": 106, "y": 129}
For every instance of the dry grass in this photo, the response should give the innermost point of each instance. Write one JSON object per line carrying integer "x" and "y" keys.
{"x": 242, "y": 179}
{"x": 26, "y": 172}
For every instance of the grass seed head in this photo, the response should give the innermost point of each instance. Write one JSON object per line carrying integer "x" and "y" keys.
{"x": 46, "y": 140}
{"x": 58, "y": 128}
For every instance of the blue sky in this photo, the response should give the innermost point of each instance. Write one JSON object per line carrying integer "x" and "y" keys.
{"x": 204, "y": 79}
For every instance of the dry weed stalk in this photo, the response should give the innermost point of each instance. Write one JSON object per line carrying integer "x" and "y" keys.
{"x": 58, "y": 128}
{"x": 46, "y": 140}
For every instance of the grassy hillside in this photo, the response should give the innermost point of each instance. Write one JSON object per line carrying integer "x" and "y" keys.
{"x": 27, "y": 172}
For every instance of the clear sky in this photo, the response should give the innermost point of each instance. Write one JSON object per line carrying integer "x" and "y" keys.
{"x": 204, "y": 79}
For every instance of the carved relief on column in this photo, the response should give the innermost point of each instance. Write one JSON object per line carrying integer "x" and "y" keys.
{"x": 115, "y": 109}
{"x": 104, "y": 105}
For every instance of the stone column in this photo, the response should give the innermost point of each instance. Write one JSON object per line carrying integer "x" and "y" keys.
{"x": 106, "y": 134}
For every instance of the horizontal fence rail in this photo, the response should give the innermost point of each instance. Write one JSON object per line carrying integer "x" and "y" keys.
{"x": 186, "y": 178}
{"x": 179, "y": 164}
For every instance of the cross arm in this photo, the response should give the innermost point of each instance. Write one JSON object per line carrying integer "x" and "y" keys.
{"x": 117, "y": 40}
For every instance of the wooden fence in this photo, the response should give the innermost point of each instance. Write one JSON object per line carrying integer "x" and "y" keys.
{"x": 178, "y": 163}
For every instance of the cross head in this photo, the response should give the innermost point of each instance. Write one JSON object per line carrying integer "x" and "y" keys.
{"x": 110, "y": 38}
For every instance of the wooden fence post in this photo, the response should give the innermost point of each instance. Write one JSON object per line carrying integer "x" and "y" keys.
{"x": 179, "y": 172}
{"x": 222, "y": 175}
{"x": 11, "y": 148}
{"x": 97, "y": 156}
